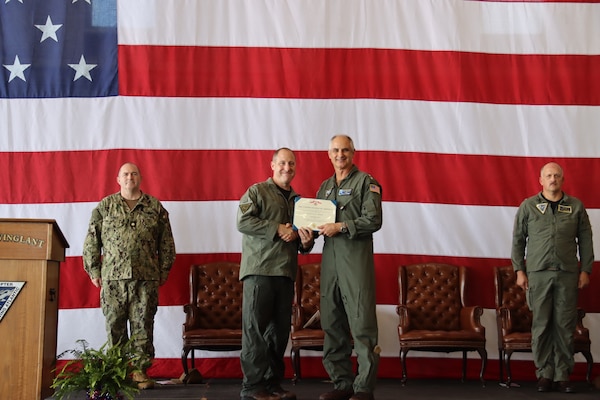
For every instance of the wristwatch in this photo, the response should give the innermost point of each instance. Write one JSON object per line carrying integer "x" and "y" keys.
{"x": 344, "y": 228}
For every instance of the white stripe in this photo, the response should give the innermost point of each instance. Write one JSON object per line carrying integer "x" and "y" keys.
{"x": 186, "y": 217}
{"x": 489, "y": 27}
{"x": 204, "y": 123}
{"x": 75, "y": 324}
{"x": 408, "y": 228}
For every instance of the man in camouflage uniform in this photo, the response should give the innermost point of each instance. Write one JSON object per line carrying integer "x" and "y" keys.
{"x": 128, "y": 253}
{"x": 348, "y": 276}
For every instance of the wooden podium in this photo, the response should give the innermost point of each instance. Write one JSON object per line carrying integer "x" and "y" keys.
{"x": 30, "y": 252}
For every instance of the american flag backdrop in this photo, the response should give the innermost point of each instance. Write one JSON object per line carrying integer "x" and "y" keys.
{"x": 453, "y": 105}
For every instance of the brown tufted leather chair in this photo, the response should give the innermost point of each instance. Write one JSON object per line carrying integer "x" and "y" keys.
{"x": 513, "y": 319}
{"x": 307, "y": 299}
{"x": 213, "y": 318}
{"x": 433, "y": 316}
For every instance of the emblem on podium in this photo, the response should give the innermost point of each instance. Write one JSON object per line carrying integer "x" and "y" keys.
{"x": 8, "y": 293}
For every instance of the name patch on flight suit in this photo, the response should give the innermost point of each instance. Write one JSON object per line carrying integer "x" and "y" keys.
{"x": 345, "y": 192}
{"x": 565, "y": 209}
{"x": 542, "y": 207}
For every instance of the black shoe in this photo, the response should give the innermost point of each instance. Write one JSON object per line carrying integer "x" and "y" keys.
{"x": 362, "y": 396}
{"x": 261, "y": 395}
{"x": 337, "y": 394}
{"x": 565, "y": 387}
{"x": 282, "y": 393}
{"x": 544, "y": 385}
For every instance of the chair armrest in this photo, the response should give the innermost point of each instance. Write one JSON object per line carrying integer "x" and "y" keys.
{"x": 579, "y": 328}
{"x": 470, "y": 319}
{"x": 297, "y": 318}
{"x": 404, "y": 319}
{"x": 191, "y": 316}
{"x": 504, "y": 318}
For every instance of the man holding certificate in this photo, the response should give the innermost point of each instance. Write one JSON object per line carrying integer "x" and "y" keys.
{"x": 270, "y": 249}
{"x": 348, "y": 275}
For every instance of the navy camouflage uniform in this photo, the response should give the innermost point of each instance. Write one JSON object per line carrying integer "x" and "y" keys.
{"x": 552, "y": 235}
{"x": 348, "y": 282}
{"x": 132, "y": 251}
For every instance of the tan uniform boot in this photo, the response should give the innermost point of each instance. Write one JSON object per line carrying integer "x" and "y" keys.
{"x": 143, "y": 382}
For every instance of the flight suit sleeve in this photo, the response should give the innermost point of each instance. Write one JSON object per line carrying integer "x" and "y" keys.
{"x": 371, "y": 214}
{"x": 519, "y": 239}
{"x": 248, "y": 216}
{"x": 584, "y": 239}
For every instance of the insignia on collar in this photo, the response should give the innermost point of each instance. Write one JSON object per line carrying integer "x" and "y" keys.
{"x": 565, "y": 209}
{"x": 542, "y": 207}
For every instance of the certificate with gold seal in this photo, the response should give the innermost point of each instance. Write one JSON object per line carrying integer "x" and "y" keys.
{"x": 312, "y": 213}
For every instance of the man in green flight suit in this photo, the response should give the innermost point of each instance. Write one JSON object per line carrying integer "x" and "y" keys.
{"x": 348, "y": 276}
{"x": 552, "y": 226}
{"x": 270, "y": 249}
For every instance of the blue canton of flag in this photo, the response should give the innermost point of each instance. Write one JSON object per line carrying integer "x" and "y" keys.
{"x": 58, "y": 48}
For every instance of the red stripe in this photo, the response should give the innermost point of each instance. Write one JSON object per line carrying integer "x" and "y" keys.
{"x": 312, "y": 368}
{"x": 183, "y": 71}
{"x": 175, "y": 292}
{"x": 213, "y": 175}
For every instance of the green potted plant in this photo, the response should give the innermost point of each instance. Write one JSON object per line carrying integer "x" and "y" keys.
{"x": 104, "y": 373}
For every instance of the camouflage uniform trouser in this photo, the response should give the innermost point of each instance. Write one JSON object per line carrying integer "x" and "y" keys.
{"x": 134, "y": 301}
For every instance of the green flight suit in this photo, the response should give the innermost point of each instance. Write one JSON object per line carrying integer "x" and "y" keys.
{"x": 549, "y": 238}
{"x": 348, "y": 282}
{"x": 268, "y": 270}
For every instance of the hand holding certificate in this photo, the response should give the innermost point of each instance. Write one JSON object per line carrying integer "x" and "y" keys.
{"x": 312, "y": 213}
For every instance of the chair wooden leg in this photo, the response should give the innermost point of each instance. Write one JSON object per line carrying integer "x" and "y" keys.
{"x": 464, "y": 366}
{"x": 184, "y": 354}
{"x": 403, "y": 353}
{"x": 501, "y": 366}
{"x": 507, "y": 355}
{"x": 590, "y": 364}
{"x": 483, "y": 354}
{"x": 295, "y": 355}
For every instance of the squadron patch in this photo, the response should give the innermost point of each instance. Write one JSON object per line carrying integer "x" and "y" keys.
{"x": 245, "y": 207}
{"x": 542, "y": 207}
{"x": 565, "y": 209}
{"x": 8, "y": 293}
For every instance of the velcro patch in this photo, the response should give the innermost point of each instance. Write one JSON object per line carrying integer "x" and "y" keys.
{"x": 245, "y": 207}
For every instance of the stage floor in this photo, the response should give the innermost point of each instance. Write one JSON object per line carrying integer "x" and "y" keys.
{"x": 387, "y": 389}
